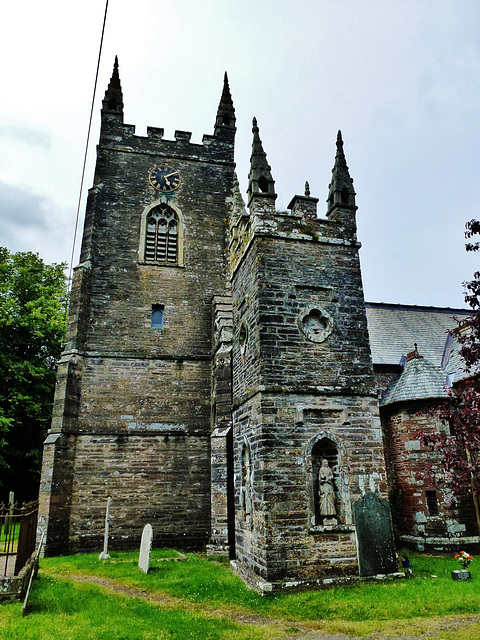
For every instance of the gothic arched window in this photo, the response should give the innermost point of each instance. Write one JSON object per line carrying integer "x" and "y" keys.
{"x": 161, "y": 235}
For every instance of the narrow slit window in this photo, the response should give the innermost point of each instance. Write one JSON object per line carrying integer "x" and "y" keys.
{"x": 157, "y": 316}
{"x": 432, "y": 504}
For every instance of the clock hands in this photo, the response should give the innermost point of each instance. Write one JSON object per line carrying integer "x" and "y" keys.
{"x": 164, "y": 178}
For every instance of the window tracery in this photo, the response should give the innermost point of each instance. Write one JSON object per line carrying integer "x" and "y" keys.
{"x": 162, "y": 235}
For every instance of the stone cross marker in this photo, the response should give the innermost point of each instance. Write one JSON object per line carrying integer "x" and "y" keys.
{"x": 145, "y": 548}
{"x": 376, "y": 546}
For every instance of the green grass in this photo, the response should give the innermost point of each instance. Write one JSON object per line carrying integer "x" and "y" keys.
{"x": 199, "y": 595}
{"x": 202, "y": 581}
{"x": 66, "y": 611}
{"x": 196, "y": 580}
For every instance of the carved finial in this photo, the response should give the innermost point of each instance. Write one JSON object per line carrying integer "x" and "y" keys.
{"x": 307, "y": 189}
{"x": 260, "y": 179}
{"x": 113, "y": 100}
{"x": 340, "y": 189}
{"x": 238, "y": 205}
{"x": 225, "y": 120}
{"x": 413, "y": 354}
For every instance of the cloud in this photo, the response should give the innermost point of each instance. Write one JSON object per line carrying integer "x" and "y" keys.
{"x": 32, "y": 137}
{"x": 30, "y": 221}
{"x": 21, "y": 206}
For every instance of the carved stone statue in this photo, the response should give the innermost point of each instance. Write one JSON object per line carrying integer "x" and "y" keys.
{"x": 326, "y": 492}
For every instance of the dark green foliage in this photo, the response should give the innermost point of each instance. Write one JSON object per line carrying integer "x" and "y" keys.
{"x": 33, "y": 299}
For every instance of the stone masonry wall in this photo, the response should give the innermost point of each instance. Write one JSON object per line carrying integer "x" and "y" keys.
{"x": 294, "y": 277}
{"x": 292, "y": 391}
{"x": 282, "y": 538}
{"x": 158, "y": 479}
{"x": 139, "y": 397}
{"x": 222, "y": 539}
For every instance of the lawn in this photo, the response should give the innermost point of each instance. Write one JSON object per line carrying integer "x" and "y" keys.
{"x": 201, "y": 598}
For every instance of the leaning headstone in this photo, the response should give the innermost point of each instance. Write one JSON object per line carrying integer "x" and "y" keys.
{"x": 376, "y": 544}
{"x": 145, "y": 548}
{"x": 33, "y": 573}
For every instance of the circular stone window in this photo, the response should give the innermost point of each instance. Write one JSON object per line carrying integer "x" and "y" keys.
{"x": 316, "y": 324}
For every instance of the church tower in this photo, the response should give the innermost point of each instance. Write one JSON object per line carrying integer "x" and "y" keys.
{"x": 216, "y": 381}
{"x": 306, "y": 427}
{"x": 132, "y": 405}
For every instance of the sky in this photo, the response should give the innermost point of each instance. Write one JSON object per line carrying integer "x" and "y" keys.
{"x": 400, "y": 79}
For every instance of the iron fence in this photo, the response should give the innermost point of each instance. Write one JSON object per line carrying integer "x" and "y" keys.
{"x": 18, "y": 526}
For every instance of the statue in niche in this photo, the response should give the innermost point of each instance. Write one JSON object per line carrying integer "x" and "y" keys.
{"x": 326, "y": 492}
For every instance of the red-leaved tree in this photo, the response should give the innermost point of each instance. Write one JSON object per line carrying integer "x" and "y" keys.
{"x": 459, "y": 445}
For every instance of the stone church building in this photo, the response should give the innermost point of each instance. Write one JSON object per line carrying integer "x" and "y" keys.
{"x": 223, "y": 378}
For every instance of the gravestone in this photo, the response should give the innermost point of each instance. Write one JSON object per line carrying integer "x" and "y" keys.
{"x": 104, "y": 554}
{"x": 376, "y": 544}
{"x": 145, "y": 548}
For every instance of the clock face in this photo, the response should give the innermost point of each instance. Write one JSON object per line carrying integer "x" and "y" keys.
{"x": 164, "y": 179}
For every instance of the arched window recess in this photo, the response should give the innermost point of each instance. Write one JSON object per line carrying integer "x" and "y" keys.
{"x": 161, "y": 235}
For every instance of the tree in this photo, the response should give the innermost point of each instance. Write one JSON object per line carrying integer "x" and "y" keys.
{"x": 33, "y": 298}
{"x": 459, "y": 446}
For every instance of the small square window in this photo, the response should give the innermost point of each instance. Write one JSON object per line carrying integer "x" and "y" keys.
{"x": 157, "y": 316}
{"x": 432, "y": 504}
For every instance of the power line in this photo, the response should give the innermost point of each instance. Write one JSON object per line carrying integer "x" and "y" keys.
{"x": 86, "y": 147}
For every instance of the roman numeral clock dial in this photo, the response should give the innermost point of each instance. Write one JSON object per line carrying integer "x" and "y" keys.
{"x": 164, "y": 179}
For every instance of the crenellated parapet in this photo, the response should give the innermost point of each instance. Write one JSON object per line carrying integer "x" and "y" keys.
{"x": 300, "y": 222}
{"x": 118, "y": 136}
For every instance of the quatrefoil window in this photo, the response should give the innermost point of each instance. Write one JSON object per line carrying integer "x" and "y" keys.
{"x": 316, "y": 324}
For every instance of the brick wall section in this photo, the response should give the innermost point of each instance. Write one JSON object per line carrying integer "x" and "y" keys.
{"x": 409, "y": 460}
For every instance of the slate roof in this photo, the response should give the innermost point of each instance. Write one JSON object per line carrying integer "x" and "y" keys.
{"x": 419, "y": 380}
{"x": 395, "y": 328}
